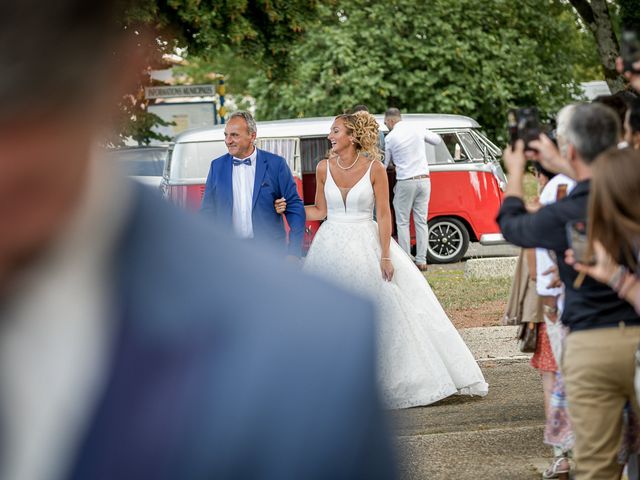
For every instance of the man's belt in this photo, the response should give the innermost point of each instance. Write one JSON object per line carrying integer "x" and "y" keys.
{"x": 417, "y": 177}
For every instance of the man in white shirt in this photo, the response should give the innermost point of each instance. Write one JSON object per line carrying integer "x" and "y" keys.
{"x": 404, "y": 145}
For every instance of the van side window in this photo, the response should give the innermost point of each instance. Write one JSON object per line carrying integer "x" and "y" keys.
{"x": 312, "y": 151}
{"x": 287, "y": 148}
{"x": 454, "y": 147}
{"x": 462, "y": 146}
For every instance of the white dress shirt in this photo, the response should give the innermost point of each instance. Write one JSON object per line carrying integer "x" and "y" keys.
{"x": 404, "y": 145}
{"x": 244, "y": 177}
{"x": 55, "y": 338}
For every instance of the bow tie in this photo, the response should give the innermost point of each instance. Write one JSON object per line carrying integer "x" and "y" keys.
{"x": 246, "y": 161}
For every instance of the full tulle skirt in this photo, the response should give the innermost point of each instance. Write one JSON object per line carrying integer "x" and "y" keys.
{"x": 421, "y": 356}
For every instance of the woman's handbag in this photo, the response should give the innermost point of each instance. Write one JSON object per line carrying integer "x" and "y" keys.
{"x": 528, "y": 337}
{"x": 524, "y": 307}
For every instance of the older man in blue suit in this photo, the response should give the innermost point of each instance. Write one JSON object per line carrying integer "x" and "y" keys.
{"x": 135, "y": 341}
{"x": 243, "y": 185}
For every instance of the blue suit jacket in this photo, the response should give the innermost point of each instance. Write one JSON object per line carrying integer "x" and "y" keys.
{"x": 223, "y": 369}
{"x": 273, "y": 181}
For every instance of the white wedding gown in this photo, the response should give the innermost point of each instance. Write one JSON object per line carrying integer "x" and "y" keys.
{"x": 422, "y": 358}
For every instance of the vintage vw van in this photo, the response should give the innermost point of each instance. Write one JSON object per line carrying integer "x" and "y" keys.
{"x": 466, "y": 178}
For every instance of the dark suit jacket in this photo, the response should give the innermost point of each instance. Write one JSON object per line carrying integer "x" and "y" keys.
{"x": 273, "y": 181}
{"x": 223, "y": 369}
{"x": 594, "y": 304}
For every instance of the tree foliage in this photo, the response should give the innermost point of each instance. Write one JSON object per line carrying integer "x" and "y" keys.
{"x": 258, "y": 32}
{"x": 262, "y": 30}
{"x": 452, "y": 56}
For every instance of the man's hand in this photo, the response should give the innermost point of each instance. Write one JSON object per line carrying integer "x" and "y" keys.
{"x": 550, "y": 158}
{"x": 514, "y": 161}
{"x": 604, "y": 268}
{"x": 634, "y": 78}
{"x": 280, "y": 205}
{"x": 555, "y": 277}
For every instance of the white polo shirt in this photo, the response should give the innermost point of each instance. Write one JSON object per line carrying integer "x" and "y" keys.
{"x": 244, "y": 177}
{"x": 404, "y": 145}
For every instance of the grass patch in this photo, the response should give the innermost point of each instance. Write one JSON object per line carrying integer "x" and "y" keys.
{"x": 530, "y": 186}
{"x": 456, "y": 292}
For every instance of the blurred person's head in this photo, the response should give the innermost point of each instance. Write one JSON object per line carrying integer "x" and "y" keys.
{"x": 61, "y": 81}
{"x": 391, "y": 117}
{"x": 591, "y": 130}
{"x": 355, "y": 133}
{"x": 240, "y": 134}
{"x": 616, "y": 103}
{"x": 614, "y": 203}
{"x": 542, "y": 174}
{"x": 632, "y": 124}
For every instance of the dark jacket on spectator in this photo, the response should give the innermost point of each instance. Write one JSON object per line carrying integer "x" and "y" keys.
{"x": 594, "y": 304}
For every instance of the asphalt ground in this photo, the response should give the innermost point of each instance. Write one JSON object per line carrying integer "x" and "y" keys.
{"x": 495, "y": 437}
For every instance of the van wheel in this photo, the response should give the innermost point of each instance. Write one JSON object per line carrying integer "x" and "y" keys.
{"x": 448, "y": 240}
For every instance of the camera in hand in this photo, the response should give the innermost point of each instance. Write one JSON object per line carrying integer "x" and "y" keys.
{"x": 524, "y": 124}
{"x": 630, "y": 49}
{"x": 578, "y": 242}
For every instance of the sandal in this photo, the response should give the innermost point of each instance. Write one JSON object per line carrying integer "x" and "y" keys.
{"x": 559, "y": 468}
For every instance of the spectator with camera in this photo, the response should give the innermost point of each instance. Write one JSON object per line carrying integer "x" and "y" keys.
{"x": 604, "y": 329}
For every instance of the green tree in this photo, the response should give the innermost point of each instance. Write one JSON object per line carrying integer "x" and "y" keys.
{"x": 456, "y": 56}
{"x": 258, "y": 32}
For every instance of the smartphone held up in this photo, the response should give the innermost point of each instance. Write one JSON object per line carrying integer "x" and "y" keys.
{"x": 578, "y": 242}
{"x": 523, "y": 124}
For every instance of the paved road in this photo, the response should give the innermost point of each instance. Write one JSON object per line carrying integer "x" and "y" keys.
{"x": 495, "y": 437}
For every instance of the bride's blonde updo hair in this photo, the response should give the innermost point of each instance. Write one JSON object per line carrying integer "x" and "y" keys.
{"x": 363, "y": 127}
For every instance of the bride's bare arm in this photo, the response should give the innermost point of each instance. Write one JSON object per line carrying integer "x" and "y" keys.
{"x": 383, "y": 214}
{"x": 319, "y": 210}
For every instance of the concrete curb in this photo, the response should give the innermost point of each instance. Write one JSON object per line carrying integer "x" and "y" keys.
{"x": 496, "y": 267}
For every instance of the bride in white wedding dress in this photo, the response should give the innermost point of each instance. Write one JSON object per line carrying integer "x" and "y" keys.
{"x": 421, "y": 356}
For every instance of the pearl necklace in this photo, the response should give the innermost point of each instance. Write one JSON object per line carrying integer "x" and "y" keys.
{"x": 350, "y": 166}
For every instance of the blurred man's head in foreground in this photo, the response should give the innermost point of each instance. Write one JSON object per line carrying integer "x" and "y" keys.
{"x": 59, "y": 89}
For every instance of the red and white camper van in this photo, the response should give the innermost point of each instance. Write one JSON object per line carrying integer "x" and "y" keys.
{"x": 466, "y": 178}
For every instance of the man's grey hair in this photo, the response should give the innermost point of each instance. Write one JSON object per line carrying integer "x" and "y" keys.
{"x": 562, "y": 121}
{"x": 247, "y": 117}
{"x": 392, "y": 113}
{"x": 592, "y": 129}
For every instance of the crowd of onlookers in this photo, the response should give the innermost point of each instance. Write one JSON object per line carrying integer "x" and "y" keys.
{"x": 584, "y": 232}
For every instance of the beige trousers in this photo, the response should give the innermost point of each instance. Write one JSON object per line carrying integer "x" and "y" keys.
{"x": 598, "y": 367}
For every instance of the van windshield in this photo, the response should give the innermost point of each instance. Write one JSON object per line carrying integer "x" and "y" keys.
{"x": 191, "y": 161}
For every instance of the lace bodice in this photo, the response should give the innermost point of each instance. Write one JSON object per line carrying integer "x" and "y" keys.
{"x": 349, "y": 205}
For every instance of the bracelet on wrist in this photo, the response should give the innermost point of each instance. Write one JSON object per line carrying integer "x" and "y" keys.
{"x": 386, "y": 258}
